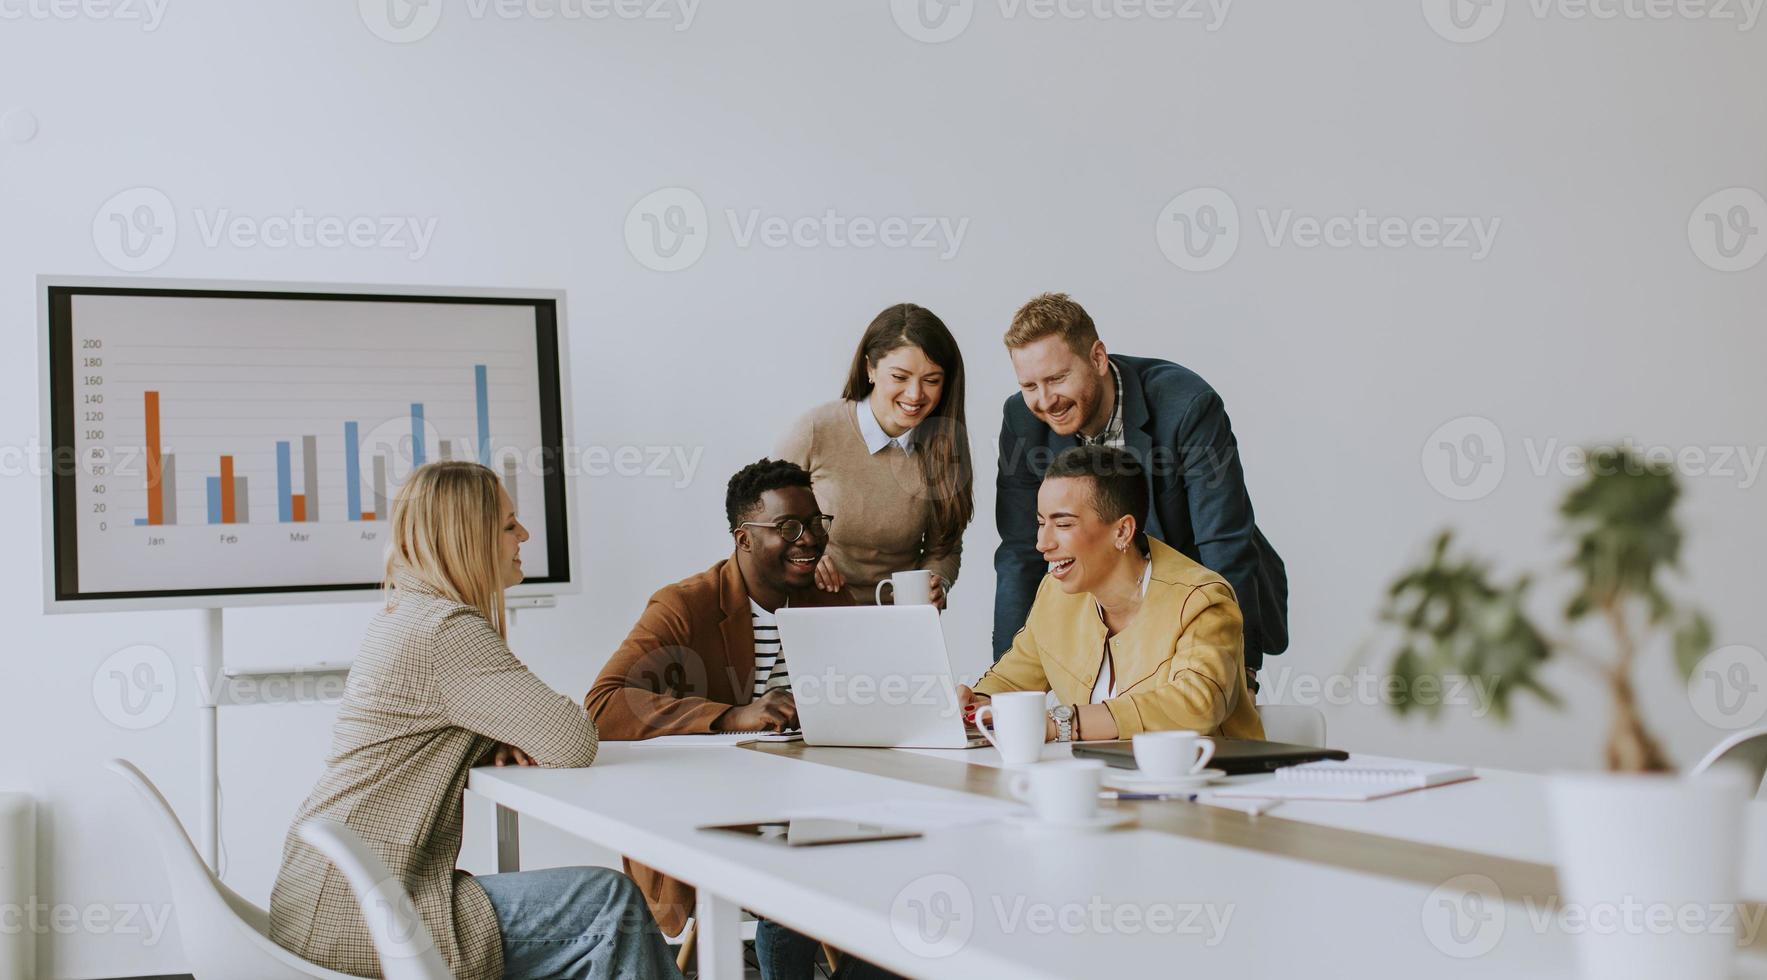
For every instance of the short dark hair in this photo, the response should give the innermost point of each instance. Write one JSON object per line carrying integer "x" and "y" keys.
{"x": 744, "y": 493}
{"x": 1119, "y": 482}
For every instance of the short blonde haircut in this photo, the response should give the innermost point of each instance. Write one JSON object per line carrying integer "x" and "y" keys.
{"x": 1053, "y": 314}
{"x": 447, "y": 521}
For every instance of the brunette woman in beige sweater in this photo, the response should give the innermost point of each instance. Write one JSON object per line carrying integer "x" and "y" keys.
{"x": 890, "y": 459}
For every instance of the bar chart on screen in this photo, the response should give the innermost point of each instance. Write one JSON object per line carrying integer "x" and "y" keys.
{"x": 263, "y": 442}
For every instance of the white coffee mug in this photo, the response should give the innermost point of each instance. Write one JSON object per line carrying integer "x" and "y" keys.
{"x": 1651, "y": 842}
{"x": 1019, "y": 727}
{"x": 913, "y": 588}
{"x": 1172, "y": 755}
{"x": 1060, "y": 791}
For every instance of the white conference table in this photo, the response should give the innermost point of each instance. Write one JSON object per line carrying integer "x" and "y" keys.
{"x": 1312, "y": 889}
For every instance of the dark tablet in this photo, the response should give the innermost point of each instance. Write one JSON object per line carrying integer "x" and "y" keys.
{"x": 1234, "y": 756}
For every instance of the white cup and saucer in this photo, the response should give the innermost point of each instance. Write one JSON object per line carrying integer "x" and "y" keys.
{"x": 1168, "y": 762}
{"x": 1063, "y": 796}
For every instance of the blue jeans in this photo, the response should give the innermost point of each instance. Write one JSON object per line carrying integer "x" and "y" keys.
{"x": 576, "y": 924}
{"x": 788, "y": 955}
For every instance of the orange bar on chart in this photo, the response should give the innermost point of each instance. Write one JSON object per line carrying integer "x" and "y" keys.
{"x": 299, "y": 503}
{"x": 368, "y": 515}
{"x": 156, "y": 509}
{"x": 226, "y": 489}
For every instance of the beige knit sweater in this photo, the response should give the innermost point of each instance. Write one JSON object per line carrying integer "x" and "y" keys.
{"x": 879, "y": 503}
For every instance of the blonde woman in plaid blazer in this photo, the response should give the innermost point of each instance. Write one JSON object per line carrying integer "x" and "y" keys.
{"x": 434, "y": 692}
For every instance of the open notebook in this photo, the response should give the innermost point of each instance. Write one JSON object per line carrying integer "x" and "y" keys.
{"x": 1362, "y": 777}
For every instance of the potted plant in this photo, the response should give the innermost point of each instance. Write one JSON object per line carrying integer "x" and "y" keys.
{"x": 1452, "y": 618}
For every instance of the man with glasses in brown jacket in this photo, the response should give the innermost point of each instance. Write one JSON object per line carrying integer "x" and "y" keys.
{"x": 705, "y": 657}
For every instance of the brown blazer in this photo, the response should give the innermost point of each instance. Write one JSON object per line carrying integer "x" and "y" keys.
{"x": 690, "y": 658}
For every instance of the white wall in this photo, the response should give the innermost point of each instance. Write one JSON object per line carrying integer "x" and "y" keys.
{"x": 1059, "y": 142}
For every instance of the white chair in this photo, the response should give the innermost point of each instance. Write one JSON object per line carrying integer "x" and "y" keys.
{"x": 1295, "y": 724}
{"x": 225, "y": 937}
{"x": 1745, "y": 750}
{"x": 407, "y": 952}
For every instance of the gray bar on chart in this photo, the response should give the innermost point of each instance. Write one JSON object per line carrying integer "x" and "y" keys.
{"x": 242, "y": 511}
{"x": 509, "y": 483}
{"x": 310, "y": 477}
{"x": 380, "y": 488}
{"x": 169, "y": 489}
{"x": 447, "y": 449}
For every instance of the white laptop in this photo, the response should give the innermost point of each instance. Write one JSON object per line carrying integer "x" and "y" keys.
{"x": 873, "y": 676}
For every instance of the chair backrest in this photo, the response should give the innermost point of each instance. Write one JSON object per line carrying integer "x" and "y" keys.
{"x": 224, "y": 935}
{"x": 1745, "y": 751}
{"x": 1295, "y": 724}
{"x": 407, "y": 952}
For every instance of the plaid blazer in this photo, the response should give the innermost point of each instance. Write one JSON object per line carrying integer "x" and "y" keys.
{"x": 432, "y": 692}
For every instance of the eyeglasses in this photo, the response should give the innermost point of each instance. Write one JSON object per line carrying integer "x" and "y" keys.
{"x": 792, "y": 529}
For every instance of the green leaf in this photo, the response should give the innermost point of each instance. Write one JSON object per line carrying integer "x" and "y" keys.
{"x": 1693, "y": 640}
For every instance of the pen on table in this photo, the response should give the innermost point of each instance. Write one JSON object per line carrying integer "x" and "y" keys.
{"x": 1111, "y": 794}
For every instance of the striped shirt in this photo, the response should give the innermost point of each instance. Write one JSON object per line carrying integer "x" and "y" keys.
{"x": 1112, "y": 434}
{"x": 770, "y": 669}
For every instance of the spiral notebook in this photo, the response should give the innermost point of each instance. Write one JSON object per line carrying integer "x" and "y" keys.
{"x": 1361, "y": 777}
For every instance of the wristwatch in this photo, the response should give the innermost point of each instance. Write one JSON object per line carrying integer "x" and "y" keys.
{"x": 1063, "y": 716}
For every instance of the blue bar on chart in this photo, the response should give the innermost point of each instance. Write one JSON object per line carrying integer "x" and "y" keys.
{"x": 284, "y": 483}
{"x": 214, "y": 483}
{"x": 352, "y": 472}
{"x": 416, "y": 434}
{"x": 140, "y": 522}
{"x": 482, "y": 387}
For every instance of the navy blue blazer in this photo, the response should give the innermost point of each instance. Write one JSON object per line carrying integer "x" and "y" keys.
{"x": 1177, "y": 427}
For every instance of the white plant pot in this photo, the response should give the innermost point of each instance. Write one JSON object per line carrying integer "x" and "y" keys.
{"x": 1648, "y": 868}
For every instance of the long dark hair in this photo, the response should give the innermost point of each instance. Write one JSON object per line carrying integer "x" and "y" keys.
{"x": 942, "y": 441}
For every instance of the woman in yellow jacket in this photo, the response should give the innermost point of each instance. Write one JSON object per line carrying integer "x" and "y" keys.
{"x": 1130, "y": 634}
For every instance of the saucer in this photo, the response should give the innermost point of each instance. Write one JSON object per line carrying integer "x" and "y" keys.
{"x": 1137, "y": 782}
{"x": 1102, "y": 820}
